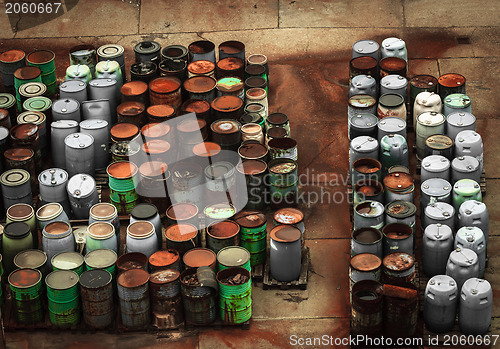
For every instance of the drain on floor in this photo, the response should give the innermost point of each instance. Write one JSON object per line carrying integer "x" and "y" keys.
{"x": 463, "y": 40}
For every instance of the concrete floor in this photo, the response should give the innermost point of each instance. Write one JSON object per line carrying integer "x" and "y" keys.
{"x": 308, "y": 43}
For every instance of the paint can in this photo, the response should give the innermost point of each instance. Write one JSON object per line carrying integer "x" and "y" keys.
{"x": 256, "y": 188}
{"x": 218, "y": 212}
{"x": 82, "y": 194}
{"x": 22, "y": 76}
{"x": 254, "y": 150}
{"x": 259, "y": 59}
{"x": 226, "y": 133}
{"x": 133, "y": 293}
{"x": 367, "y": 240}
{"x": 63, "y": 298}
{"x": 440, "y": 303}
{"x": 476, "y": 307}
{"x": 462, "y": 265}
{"x": 39, "y": 119}
{"x": 173, "y": 52}
{"x": 132, "y": 112}
{"x": 32, "y": 89}
{"x": 183, "y": 213}
{"x": 232, "y": 48}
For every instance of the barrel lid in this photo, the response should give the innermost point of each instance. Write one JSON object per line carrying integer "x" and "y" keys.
{"x": 103, "y": 211}
{"x": 451, "y": 80}
{"x": 363, "y": 81}
{"x": 391, "y": 63}
{"x": 233, "y": 256}
{"x": 164, "y": 258}
{"x": 457, "y": 101}
{"x": 53, "y": 177}
{"x": 225, "y": 126}
{"x": 81, "y": 185}
{"x": 124, "y": 131}
{"x": 95, "y": 278}
{"x": 439, "y": 142}
{"x": 154, "y": 169}
{"x": 122, "y": 169}
{"x": 468, "y": 137}
{"x": 227, "y": 103}
{"x": 464, "y": 257}
{"x": 475, "y": 287}
{"x": 38, "y": 103}
{"x": 438, "y": 232}
{"x": 364, "y": 144}
{"x": 93, "y": 124}
{"x": 285, "y": 233}
{"x": 223, "y": 229}
{"x": 102, "y": 82}
{"x": 125, "y": 148}
{"x": 140, "y": 229}
{"x": 18, "y": 154}
{"x": 288, "y": 215}
{"x": 197, "y": 106}
{"x": 206, "y": 149}
{"x": 391, "y": 124}
{"x": 250, "y": 218}
{"x": 251, "y": 167}
{"x": 200, "y": 84}
{"x": 181, "y": 232}
{"x": 229, "y": 84}
{"x": 131, "y": 108}
{"x": 423, "y": 81}
{"x": 101, "y": 230}
{"x": 461, "y": 119}
{"x": 174, "y": 51}
{"x": 199, "y": 257}
{"x": 436, "y": 187}
{"x": 32, "y": 89}
{"x": 64, "y": 124}
{"x": 398, "y": 261}
{"x": 50, "y": 210}
{"x": 282, "y": 166}
{"x": 400, "y": 209}
{"x": 134, "y": 88}
{"x": 66, "y": 106}
{"x": 4, "y": 132}
{"x": 473, "y": 206}
{"x": 101, "y": 258}
{"x": 366, "y": 262}
{"x": 431, "y": 118}
{"x": 363, "y": 120}
{"x": 218, "y": 170}
{"x": 466, "y": 187}
{"x": 79, "y": 140}
{"x": 365, "y": 46}
{"x": 391, "y": 100}
{"x": 77, "y": 71}
{"x": 393, "y": 141}
{"x": 110, "y": 51}
{"x": 144, "y": 211}
{"x": 191, "y": 125}
{"x": 161, "y": 111}
{"x": 220, "y": 211}
{"x": 133, "y": 278}
{"x": 231, "y": 63}
{"x": 61, "y": 279}
{"x": 398, "y": 181}
{"x": 439, "y": 210}
{"x": 165, "y": 84}
{"x": 435, "y": 163}
{"x": 14, "y": 177}
{"x": 201, "y": 67}
{"x": 147, "y": 47}
{"x": 156, "y": 146}
{"x": 30, "y": 259}
{"x": 161, "y": 277}
{"x": 369, "y": 208}
{"x": 393, "y": 43}
{"x": 16, "y": 230}
{"x": 31, "y": 117}
{"x": 144, "y": 68}
{"x": 155, "y": 129}
{"x": 182, "y": 211}
{"x": 23, "y": 131}
{"x": 12, "y": 56}
{"x": 470, "y": 234}
{"x": 20, "y": 212}
{"x": 465, "y": 164}
{"x": 67, "y": 260}
{"x": 72, "y": 86}
{"x": 40, "y": 57}
{"x": 27, "y": 73}
{"x": 7, "y": 100}
{"x": 25, "y": 278}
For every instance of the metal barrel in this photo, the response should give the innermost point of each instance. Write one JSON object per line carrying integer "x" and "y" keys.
{"x": 182, "y": 237}
{"x": 364, "y": 266}
{"x": 451, "y": 83}
{"x": 235, "y": 295}
{"x": 99, "y": 130}
{"x": 26, "y": 290}
{"x": 82, "y": 194}
{"x": 122, "y": 177}
{"x": 131, "y": 260}
{"x": 368, "y": 190}
{"x": 32, "y": 259}
{"x": 16, "y": 187}
{"x": 85, "y": 55}
{"x": 367, "y": 240}
{"x": 400, "y": 311}
{"x": 57, "y": 237}
{"x": 69, "y": 261}
{"x": 96, "y": 292}
{"x": 283, "y": 182}
{"x": 133, "y": 292}
{"x": 132, "y": 112}
{"x": 135, "y": 91}
{"x": 253, "y": 233}
{"x": 27, "y": 136}
{"x": 165, "y": 90}
{"x": 199, "y": 257}
{"x": 101, "y": 259}
{"x": 222, "y": 234}
{"x": 199, "y": 301}
{"x": 63, "y": 298}
{"x": 233, "y": 256}
{"x": 166, "y": 301}
{"x": 399, "y": 269}
{"x": 80, "y": 154}
{"x": 45, "y": 60}
{"x": 10, "y": 61}
{"x": 367, "y": 308}
{"x": 38, "y": 118}
{"x": 23, "y": 75}
{"x": 256, "y": 188}
{"x": 398, "y": 237}
{"x": 165, "y": 259}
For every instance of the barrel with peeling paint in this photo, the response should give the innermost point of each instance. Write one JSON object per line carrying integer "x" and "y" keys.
{"x": 165, "y": 259}
{"x": 364, "y": 266}
{"x": 122, "y": 178}
{"x": 64, "y": 298}
{"x": 366, "y": 308}
{"x": 166, "y": 300}
{"x": 199, "y": 301}
{"x": 97, "y": 298}
{"x": 399, "y": 269}
{"x": 26, "y": 290}
{"x": 133, "y": 292}
{"x": 222, "y": 234}
{"x": 45, "y": 61}
{"x": 400, "y": 311}
{"x": 253, "y": 234}
{"x": 235, "y": 300}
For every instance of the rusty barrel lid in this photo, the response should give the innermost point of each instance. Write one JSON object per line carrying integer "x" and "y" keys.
{"x": 132, "y": 260}
{"x": 200, "y": 84}
{"x": 12, "y": 56}
{"x": 423, "y": 81}
{"x": 25, "y": 278}
{"x": 181, "y": 232}
{"x": 365, "y": 262}
{"x": 201, "y": 67}
{"x": 134, "y": 88}
{"x": 251, "y": 167}
{"x": 133, "y": 278}
{"x": 392, "y": 63}
{"x": 225, "y": 127}
{"x": 155, "y": 130}
{"x": 253, "y": 150}
{"x": 32, "y": 89}
{"x": 161, "y": 111}
{"x": 400, "y": 209}
{"x": 285, "y": 233}
{"x": 439, "y": 142}
{"x": 199, "y": 257}
{"x": 20, "y": 211}
{"x": 18, "y": 154}
{"x": 40, "y": 56}
{"x": 288, "y": 215}
{"x": 191, "y": 125}
{"x": 398, "y": 261}
{"x": 24, "y": 131}
{"x": 164, "y": 258}
{"x": 451, "y": 80}
{"x": 283, "y": 166}
{"x": 250, "y": 218}
{"x": 364, "y": 63}
{"x": 223, "y": 230}
{"x": 165, "y": 84}
{"x": 277, "y": 132}
{"x": 197, "y": 106}
{"x": 164, "y": 276}
{"x": 130, "y": 108}
{"x": 206, "y": 149}
{"x": 182, "y": 211}
{"x": 227, "y": 103}
{"x": 101, "y": 230}
{"x": 124, "y": 131}
{"x": 153, "y": 169}
{"x": 255, "y": 69}
{"x": 122, "y": 170}
{"x": 398, "y": 181}
{"x": 230, "y": 64}
{"x": 156, "y": 146}
{"x": 27, "y": 73}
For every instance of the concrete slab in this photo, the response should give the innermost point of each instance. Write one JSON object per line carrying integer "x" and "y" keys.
{"x": 189, "y": 16}
{"x": 327, "y": 293}
{"x": 449, "y": 13}
{"x": 79, "y": 341}
{"x": 6, "y": 31}
{"x": 491, "y": 200}
{"x": 423, "y": 66}
{"x": 491, "y": 273}
{"x": 488, "y": 128}
{"x": 25, "y": 340}
{"x": 277, "y": 334}
{"x": 485, "y": 42}
{"x": 345, "y": 13}
{"x": 169, "y": 339}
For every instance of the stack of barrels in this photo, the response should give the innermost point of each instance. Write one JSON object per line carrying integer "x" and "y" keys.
{"x": 383, "y": 101}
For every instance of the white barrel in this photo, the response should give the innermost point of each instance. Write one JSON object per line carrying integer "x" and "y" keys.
{"x": 148, "y": 212}
{"x": 363, "y": 147}
{"x": 363, "y": 85}
{"x": 106, "y": 89}
{"x": 473, "y": 238}
{"x": 74, "y": 89}
{"x": 469, "y": 143}
{"x": 66, "y": 109}
{"x": 462, "y": 265}
{"x": 82, "y": 194}
{"x": 428, "y": 124}
{"x": 465, "y": 167}
{"x": 393, "y": 83}
{"x": 426, "y": 102}
{"x": 437, "y": 244}
{"x": 369, "y": 214}
{"x": 141, "y": 238}
{"x": 474, "y": 213}
{"x": 391, "y": 125}
{"x": 476, "y": 306}
{"x": 435, "y": 166}
{"x": 59, "y": 131}
{"x": 440, "y": 303}
{"x": 459, "y": 121}
{"x": 110, "y": 69}
{"x": 52, "y": 185}
{"x": 434, "y": 190}
{"x": 366, "y": 47}
{"x": 99, "y": 130}
{"x": 97, "y": 109}
{"x": 439, "y": 212}
{"x": 79, "y": 153}
{"x": 393, "y": 47}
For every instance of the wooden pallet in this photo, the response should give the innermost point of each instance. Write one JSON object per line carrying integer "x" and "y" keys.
{"x": 269, "y": 282}
{"x": 258, "y": 273}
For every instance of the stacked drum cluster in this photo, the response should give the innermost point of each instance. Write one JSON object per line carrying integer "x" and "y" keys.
{"x": 453, "y": 222}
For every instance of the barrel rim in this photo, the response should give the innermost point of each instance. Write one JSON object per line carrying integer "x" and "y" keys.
{"x": 229, "y": 272}
{"x": 43, "y": 62}
{"x": 226, "y": 221}
{"x": 52, "y": 216}
{"x": 101, "y": 237}
{"x": 54, "y": 259}
{"x": 100, "y": 266}
{"x": 58, "y": 287}
{"x": 23, "y": 218}
{"x": 95, "y": 271}
{"x": 42, "y": 253}
{"x": 28, "y": 286}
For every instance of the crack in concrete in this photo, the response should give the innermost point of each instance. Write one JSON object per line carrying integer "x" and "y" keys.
{"x": 321, "y": 152}
{"x": 292, "y": 298}
{"x": 15, "y": 28}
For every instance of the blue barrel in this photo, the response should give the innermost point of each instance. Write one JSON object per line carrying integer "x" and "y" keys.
{"x": 133, "y": 292}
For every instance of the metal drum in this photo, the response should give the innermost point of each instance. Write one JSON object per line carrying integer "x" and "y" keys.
{"x": 113, "y": 52}
{"x": 283, "y": 182}
{"x": 96, "y": 291}
{"x": 365, "y": 169}
{"x": 464, "y": 190}
{"x": 66, "y": 109}
{"x": 141, "y": 238}
{"x": 254, "y": 150}
{"x": 101, "y": 259}
{"x": 361, "y": 104}
{"x": 398, "y": 237}
{"x": 79, "y": 153}
{"x": 364, "y": 266}
{"x": 285, "y": 253}
{"x": 199, "y": 257}
{"x": 366, "y": 308}
{"x": 393, "y": 66}
{"x": 79, "y": 72}
{"x": 69, "y": 261}
{"x": 199, "y": 301}
{"x": 165, "y": 90}
{"x": 469, "y": 143}
{"x": 57, "y": 237}
{"x": 182, "y": 237}
{"x": 474, "y": 213}
{"x": 26, "y": 136}
{"x": 459, "y": 121}
{"x": 369, "y": 214}
{"x": 439, "y": 212}
{"x": 393, "y": 47}
{"x": 399, "y": 186}
{"x": 32, "y": 89}
{"x": 122, "y": 178}
{"x": 363, "y": 147}
{"x": 363, "y": 85}
{"x": 132, "y": 112}
{"x": 124, "y": 132}
{"x": 175, "y": 52}
{"x": 52, "y": 185}
{"x": 39, "y": 119}
{"x": 201, "y": 68}
{"x": 367, "y": 240}
{"x": 63, "y": 298}
{"x": 440, "y": 303}
{"x": 363, "y": 48}
{"x": 235, "y": 298}
{"x": 82, "y": 194}
{"x": 26, "y": 289}
{"x": 368, "y": 190}
{"x": 462, "y": 265}
{"x": 465, "y": 167}
{"x": 233, "y": 256}
{"x": 45, "y": 60}
{"x": 231, "y": 107}
{"x": 253, "y": 234}
{"x": 391, "y": 105}
{"x": 401, "y": 212}
{"x": 135, "y": 91}
{"x": 451, "y": 83}
{"x": 439, "y": 145}
{"x": 473, "y": 238}
{"x": 222, "y": 234}
{"x": 83, "y": 54}
{"x": 59, "y": 131}
{"x": 143, "y": 71}
{"x": 26, "y": 214}
{"x": 22, "y": 158}
{"x": 147, "y": 51}
{"x": 428, "y": 124}
{"x": 73, "y": 89}
{"x": 435, "y": 166}
{"x": 363, "y": 65}
{"x": 219, "y": 212}
{"x": 99, "y": 130}
{"x": 33, "y": 259}
{"x": 457, "y": 102}
{"x": 201, "y": 87}
{"x": 133, "y": 293}
{"x": 164, "y": 259}
{"x": 476, "y": 307}
{"x": 16, "y": 187}
{"x": 10, "y": 61}
{"x": 101, "y": 235}
{"x": 132, "y": 260}
{"x": 399, "y": 269}
{"x": 400, "y": 311}
{"x": 393, "y": 151}
{"x": 437, "y": 244}
{"x": 231, "y": 66}
{"x": 230, "y": 86}
{"x": 166, "y": 300}
{"x": 391, "y": 125}
{"x": 396, "y": 84}
{"x": 434, "y": 190}
{"x": 183, "y": 213}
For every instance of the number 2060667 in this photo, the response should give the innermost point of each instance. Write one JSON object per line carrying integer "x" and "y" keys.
{"x": 32, "y": 8}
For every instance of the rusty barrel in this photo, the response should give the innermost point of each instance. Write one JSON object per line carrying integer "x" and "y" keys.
{"x": 96, "y": 290}
{"x": 63, "y": 298}
{"x": 400, "y": 311}
{"x": 235, "y": 295}
{"x": 199, "y": 257}
{"x": 122, "y": 177}
{"x": 26, "y": 289}
{"x": 399, "y": 269}
{"x": 182, "y": 237}
{"x": 131, "y": 260}
{"x": 367, "y": 308}
{"x": 253, "y": 233}
{"x": 133, "y": 292}
{"x": 165, "y": 259}
{"x": 165, "y": 90}
{"x": 166, "y": 301}
{"x": 199, "y": 301}
{"x": 222, "y": 234}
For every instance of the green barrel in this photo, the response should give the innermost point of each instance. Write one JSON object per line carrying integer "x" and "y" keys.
{"x": 40, "y": 104}
{"x": 233, "y": 256}
{"x": 102, "y": 259}
{"x": 21, "y": 77}
{"x": 32, "y": 259}
{"x": 26, "y": 289}
{"x": 69, "y": 261}
{"x": 253, "y": 234}
{"x": 235, "y": 301}
{"x": 45, "y": 61}
{"x": 63, "y": 296}
{"x": 122, "y": 178}
{"x": 283, "y": 180}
